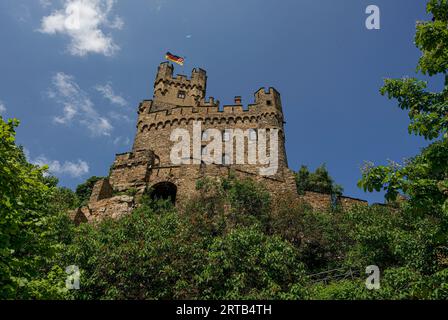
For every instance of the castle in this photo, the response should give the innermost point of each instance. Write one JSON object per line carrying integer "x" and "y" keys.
{"x": 180, "y": 102}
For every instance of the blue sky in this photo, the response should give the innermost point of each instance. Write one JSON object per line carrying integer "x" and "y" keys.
{"x": 76, "y": 91}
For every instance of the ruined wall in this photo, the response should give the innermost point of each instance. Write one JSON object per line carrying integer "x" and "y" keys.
{"x": 114, "y": 207}
{"x": 101, "y": 190}
{"x": 186, "y": 176}
{"x": 131, "y": 170}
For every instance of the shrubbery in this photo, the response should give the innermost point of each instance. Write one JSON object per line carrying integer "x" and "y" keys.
{"x": 209, "y": 251}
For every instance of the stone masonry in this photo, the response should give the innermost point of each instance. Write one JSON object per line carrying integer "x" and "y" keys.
{"x": 178, "y": 102}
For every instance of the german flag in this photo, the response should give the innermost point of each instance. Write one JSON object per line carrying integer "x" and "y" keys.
{"x": 174, "y": 58}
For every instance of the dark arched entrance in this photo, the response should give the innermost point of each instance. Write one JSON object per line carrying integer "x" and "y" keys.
{"x": 164, "y": 190}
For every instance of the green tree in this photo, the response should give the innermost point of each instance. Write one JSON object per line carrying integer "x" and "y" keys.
{"x": 415, "y": 237}
{"x": 28, "y": 237}
{"x": 303, "y": 180}
{"x": 423, "y": 179}
{"x": 322, "y": 238}
{"x": 247, "y": 264}
{"x": 317, "y": 181}
{"x": 145, "y": 255}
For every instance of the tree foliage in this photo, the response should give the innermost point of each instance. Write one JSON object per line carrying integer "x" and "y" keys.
{"x": 223, "y": 204}
{"x": 155, "y": 253}
{"x": 28, "y": 234}
{"x": 423, "y": 179}
{"x": 414, "y": 238}
{"x": 317, "y": 181}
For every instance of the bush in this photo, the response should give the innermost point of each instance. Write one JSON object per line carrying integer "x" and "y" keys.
{"x": 318, "y": 181}
{"x": 247, "y": 264}
{"x": 222, "y": 205}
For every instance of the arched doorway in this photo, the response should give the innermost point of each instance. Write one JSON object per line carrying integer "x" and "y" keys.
{"x": 164, "y": 190}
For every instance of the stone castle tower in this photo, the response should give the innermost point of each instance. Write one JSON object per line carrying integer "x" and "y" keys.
{"x": 179, "y": 103}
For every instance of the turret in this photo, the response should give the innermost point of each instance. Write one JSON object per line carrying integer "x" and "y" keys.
{"x": 270, "y": 98}
{"x": 199, "y": 78}
{"x": 170, "y": 91}
{"x": 165, "y": 72}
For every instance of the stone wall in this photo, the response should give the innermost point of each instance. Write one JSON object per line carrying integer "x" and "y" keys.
{"x": 114, "y": 207}
{"x": 317, "y": 201}
{"x": 347, "y": 202}
{"x": 131, "y": 170}
{"x": 101, "y": 190}
{"x": 323, "y": 202}
{"x": 154, "y": 128}
{"x": 179, "y": 102}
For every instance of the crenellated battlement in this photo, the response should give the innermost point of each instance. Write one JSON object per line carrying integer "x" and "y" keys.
{"x": 179, "y": 102}
{"x": 210, "y": 103}
{"x": 209, "y": 107}
{"x": 171, "y": 92}
{"x": 179, "y": 89}
{"x": 230, "y": 115}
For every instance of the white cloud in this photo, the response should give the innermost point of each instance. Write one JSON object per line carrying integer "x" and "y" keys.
{"x": 2, "y": 108}
{"x": 74, "y": 169}
{"x": 78, "y": 108}
{"x": 109, "y": 94}
{"x": 69, "y": 114}
{"x": 118, "y": 117}
{"x": 83, "y": 21}
{"x": 125, "y": 141}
